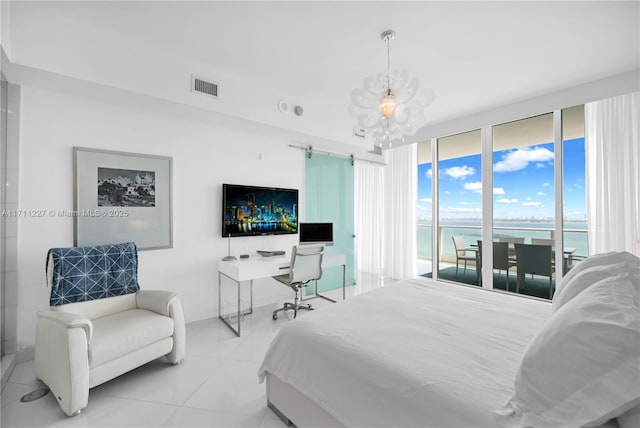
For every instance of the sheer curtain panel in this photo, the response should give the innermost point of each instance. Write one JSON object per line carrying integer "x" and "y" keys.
{"x": 369, "y": 210}
{"x": 400, "y": 205}
{"x": 613, "y": 173}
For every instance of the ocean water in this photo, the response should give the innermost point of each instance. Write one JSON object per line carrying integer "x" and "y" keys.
{"x": 575, "y": 234}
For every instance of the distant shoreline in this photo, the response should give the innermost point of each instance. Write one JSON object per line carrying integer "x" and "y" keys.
{"x": 503, "y": 220}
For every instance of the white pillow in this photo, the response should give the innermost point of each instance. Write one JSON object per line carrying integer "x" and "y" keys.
{"x": 589, "y": 276}
{"x": 583, "y": 367}
{"x": 597, "y": 260}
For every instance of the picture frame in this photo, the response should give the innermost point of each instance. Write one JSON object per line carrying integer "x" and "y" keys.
{"x": 122, "y": 197}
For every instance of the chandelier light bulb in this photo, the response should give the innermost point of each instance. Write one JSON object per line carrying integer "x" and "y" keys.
{"x": 387, "y": 105}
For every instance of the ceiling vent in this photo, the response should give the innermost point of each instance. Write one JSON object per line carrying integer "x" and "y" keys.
{"x": 203, "y": 86}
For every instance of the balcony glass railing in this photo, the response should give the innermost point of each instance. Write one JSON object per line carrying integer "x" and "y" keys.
{"x": 575, "y": 236}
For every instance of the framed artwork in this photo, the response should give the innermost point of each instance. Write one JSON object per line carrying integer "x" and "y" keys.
{"x": 122, "y": 197}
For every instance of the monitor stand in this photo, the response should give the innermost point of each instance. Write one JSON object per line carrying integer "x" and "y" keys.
{"x": 229, "y": 257}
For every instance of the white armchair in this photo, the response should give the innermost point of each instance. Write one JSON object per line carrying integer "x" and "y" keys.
{"x": 100, "y": 324}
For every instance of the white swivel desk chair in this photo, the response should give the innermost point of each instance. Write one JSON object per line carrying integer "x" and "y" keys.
{"x": 306, "y": 266}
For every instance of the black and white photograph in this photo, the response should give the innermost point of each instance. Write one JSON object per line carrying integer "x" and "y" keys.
{"x": 122, "y": 196}
{"x": 126, "y": 188}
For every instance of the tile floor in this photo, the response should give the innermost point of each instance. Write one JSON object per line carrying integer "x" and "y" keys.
{"x": 216, "y": 386}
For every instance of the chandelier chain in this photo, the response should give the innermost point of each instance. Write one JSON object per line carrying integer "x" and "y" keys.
{"x": 388, "y": 64}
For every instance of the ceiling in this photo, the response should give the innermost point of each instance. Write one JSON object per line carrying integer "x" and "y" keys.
{"x": 475, "y": 55}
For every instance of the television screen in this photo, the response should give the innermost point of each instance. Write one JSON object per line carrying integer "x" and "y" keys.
{"x": 253, "y": 210}
{"x": 316, "y": 233}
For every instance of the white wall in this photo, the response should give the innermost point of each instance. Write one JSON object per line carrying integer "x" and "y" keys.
{"x": 45, "y": 38}
{"x": 5, "y": 25}
{"x": 204, "y": 156}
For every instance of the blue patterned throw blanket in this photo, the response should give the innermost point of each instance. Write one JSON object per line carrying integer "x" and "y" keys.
{"x": 88, "y": 273}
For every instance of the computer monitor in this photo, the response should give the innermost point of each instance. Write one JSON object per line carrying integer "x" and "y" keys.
{"x": 316, "y": 233}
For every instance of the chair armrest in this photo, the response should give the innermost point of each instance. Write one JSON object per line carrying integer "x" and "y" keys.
{"x": 167, "y": 303}
{"x": 68, "y": 320}
{"x": 62, "y": 358}
{"x": 155, "y": 300}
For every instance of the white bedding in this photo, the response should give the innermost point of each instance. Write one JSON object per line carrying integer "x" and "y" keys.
{"x": 416, "y": 353}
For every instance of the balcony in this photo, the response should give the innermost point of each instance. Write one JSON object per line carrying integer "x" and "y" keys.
{"x": 575, "y": 236}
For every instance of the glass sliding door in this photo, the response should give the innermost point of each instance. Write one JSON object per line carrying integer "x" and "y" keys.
{"x": 523, "y": 197}
{"x": 425, "y": 210}
{"x": 329, "y": 197}
{"x": 459, "y": 170}
{"x": 574, "y": 194}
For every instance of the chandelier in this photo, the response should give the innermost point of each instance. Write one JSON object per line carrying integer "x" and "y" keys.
{"x": 389, "y": 106}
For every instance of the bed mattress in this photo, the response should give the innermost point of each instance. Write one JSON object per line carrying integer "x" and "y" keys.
{"x": 415, "y": 353}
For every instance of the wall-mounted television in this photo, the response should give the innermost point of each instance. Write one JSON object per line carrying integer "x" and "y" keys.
{"x": 255, "y": 210}
{"x": 316, "y": 233}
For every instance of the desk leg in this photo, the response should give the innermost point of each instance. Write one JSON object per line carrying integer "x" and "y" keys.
{"x": 239, "y": 314}
{"x": 344, "y": 282}
{"x": 250, "y": 311}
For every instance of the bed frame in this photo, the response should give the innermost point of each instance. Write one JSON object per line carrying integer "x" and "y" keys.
{"x": 293, "y": 407}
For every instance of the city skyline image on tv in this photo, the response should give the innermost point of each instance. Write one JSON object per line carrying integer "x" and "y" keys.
{"x": 255, "y": 210}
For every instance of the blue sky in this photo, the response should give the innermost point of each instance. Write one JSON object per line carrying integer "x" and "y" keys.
{"x": 523, "y": 184}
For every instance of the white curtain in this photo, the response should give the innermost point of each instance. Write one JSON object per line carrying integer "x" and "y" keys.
{"x": 369, "y": 214}
{"x": 612, "y": 129}
{"x": 400, "y": 190}
{"x": 386, "y": 214}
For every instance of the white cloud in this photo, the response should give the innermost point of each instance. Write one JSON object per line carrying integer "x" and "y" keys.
{"x": 520, "y": 159}
{"x": 464, "y": 203}
{"x": 474, "y": 186}
{"x": 426, "y": 200}
{"x": 536, "y": 204}
{"x": 460, "y": 172}
{"x": 541, "y": 194}
{"x": 546, "y": 184}
{"x": 429, "y": 174}
{"x": 540, "y": 165}
{"x": 507, "y": 201}
{"x": 446, "y": 192}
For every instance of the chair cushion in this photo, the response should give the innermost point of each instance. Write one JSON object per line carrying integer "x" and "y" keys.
{"x": 101, "y": 307}
{"x": 123, "y": 332}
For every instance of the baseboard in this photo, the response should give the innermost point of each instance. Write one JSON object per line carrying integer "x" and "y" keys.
{"x": 25, "y": 354}
{"x": 7, "y": 365}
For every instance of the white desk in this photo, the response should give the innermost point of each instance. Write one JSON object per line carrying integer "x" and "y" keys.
{"x": 265, "y": 267}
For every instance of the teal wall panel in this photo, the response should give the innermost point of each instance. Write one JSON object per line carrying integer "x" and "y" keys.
{"x": 329, "y": 197}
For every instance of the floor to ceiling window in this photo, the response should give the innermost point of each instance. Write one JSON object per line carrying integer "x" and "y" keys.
{"x": 523, "y": 198}
{"x": 459, "y": 205}
{"x": 574, "y": 185}
{"x": 528, "y": 193}
{"x": 425, "y": 210}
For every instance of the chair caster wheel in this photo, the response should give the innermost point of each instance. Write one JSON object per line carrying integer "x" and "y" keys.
{"x": 274, "y": 316}
{"x": 310, "y": 307}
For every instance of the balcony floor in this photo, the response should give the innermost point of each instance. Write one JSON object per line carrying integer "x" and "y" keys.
{"x": 536, "y": 287}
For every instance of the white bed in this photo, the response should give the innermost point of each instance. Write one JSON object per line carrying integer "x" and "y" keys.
{"x": 347, "y": 359}
{"x": 425, "y": 354}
